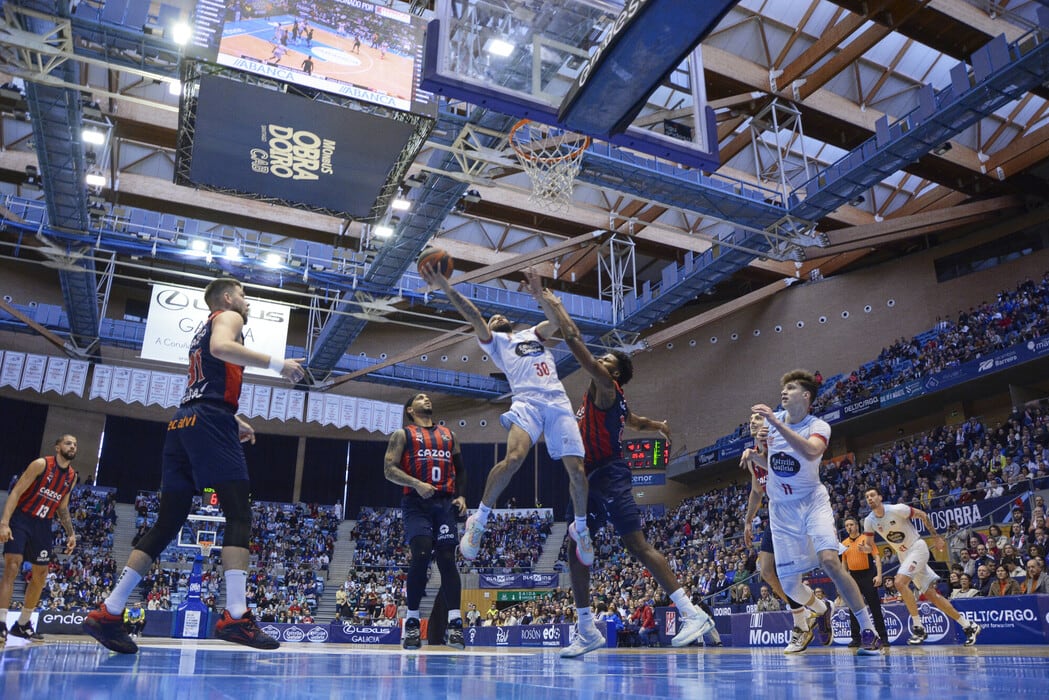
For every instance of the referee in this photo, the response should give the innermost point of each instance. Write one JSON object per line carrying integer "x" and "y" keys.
{"x": 867, "y": 578}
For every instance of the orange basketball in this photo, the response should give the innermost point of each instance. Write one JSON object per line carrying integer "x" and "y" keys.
{"x": 438, "y": 259}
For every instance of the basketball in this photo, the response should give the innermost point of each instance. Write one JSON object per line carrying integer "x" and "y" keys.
{"x": 438, "y": 259}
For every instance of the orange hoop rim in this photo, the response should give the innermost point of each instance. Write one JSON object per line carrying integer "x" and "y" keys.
{"x": 546, "y": 160}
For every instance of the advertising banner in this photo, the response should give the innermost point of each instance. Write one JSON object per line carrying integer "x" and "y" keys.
{"x": 353, "y": 634}
{"x": 292, "y": 148}
{"x": 1004, "y": 620}
{"x": 296, "y": 633}
{"x": 980, "y": 513}
{"x": 517, "y": 580}
{"x": 706, "y": 457}
{"x": 656, "y": 479}
{"x": 177, "y": 313}
{"x": 903, "y": 392}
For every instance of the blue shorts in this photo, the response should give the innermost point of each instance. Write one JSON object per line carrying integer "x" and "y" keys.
{"x": 766, "y": 542}
{"x": 422, "y": 516}
{"x": 202, "y": 448}
{"x": 611, "y": 499}
{"x": 31, "y": 538}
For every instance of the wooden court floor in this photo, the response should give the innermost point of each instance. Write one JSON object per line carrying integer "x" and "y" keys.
{"x": 79, "y": 669}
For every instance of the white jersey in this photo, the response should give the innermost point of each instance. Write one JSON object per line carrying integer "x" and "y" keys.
{"x": 791, "y": 474}
{"x": 528, "y": 364}
{"x": 895, "y": 526}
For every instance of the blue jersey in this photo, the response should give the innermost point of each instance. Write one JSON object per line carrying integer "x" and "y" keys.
{"x": 602, "y": 430}
{"x": 211, "y": 379}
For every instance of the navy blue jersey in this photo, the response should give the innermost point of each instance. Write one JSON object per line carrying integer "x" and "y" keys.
{"x": 602, "y": 430}
{"x": 427, "y": 456}
{"x": 45, "y": 494}
{"x": 210, "y": 378}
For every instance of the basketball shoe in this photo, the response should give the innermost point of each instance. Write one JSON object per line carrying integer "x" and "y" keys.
{"x": 244, "y": 631}
{"x": 692, "y": 628}
{"x": 470, "y": 544}
{"x": 412, "y": 638}
{"x": 584, "y": 546}
{"x": 109, "y": 630}
{"x": 454, "y": 634}
{"x": 582, "y": 642}
{"x": 26, "y": 631}
{"x": 870, "y": 644}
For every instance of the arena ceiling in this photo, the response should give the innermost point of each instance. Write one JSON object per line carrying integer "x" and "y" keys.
{"x": 840, "y": 64}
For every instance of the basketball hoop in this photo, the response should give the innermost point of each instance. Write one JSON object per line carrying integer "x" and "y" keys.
{"x": 552, "y": 158}
{"x": 205, "y": 548}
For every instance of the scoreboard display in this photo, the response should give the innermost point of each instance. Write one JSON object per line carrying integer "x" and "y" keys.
{"x": 647, "y": 453}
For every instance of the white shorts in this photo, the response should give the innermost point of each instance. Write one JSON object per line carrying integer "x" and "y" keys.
{"x": 914, "y": 564}
{"x": 551, "y": 416}
{"x": 802, "y": 527}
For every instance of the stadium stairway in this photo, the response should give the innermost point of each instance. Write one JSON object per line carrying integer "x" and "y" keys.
{"x": 123, "y": 533}
{"x": 548, "y": 560}
{"x": 338, "y": 569}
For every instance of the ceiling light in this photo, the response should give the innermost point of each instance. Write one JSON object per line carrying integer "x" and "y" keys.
{"x": 499, "y": 47}
{"x": 181, "y": 33}
{"x": 93, "y": 136}
{"x": 382, "y": 231}
{"x": 400, "y": 204}
{"x": 175, "y": 88}
{"x": 272, "y": 260}
{"x": 95, "y": 180}
{"x": 199, "y": 245}
{"x": 233, "y": 252}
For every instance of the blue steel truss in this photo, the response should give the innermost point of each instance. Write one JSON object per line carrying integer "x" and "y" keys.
{"x": 1000, "y": 72}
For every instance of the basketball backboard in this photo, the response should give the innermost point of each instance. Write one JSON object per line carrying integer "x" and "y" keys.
{"x": 524, "y": 57}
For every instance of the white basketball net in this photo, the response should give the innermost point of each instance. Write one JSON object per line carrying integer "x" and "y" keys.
{"x": 552, "y": 158}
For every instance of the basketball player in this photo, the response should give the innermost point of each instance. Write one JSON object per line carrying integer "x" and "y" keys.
{"x": 202, "y": 448}
{"x": 800, "y": 515}
{"x": 539, "y": 407}
{"x": 801, "y": 634}
{"x": 893, "y": 523}
{"x": 424, "y": 458}
{"x": 41, "y": 493}
{"x": 602, "y": 417}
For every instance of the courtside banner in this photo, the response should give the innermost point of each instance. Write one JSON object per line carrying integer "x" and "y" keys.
{"x": 1019, "y": 619}
{"x": 352, "y": 634}
{"x": 266, "y": 142}
{"x": 296, "y": 633}
{"x": 177, "y": 313}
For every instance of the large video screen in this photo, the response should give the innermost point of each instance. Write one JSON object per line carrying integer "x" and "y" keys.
{"x": 291, "y": 149}
{"x": 348, "y": 47}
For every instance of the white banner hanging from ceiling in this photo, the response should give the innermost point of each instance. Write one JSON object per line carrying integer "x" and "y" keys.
{"x": 176, "y": 313}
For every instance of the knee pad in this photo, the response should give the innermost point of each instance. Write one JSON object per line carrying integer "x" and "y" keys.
{"x": 171, "y": 515}
{"x": 421, "y": 548}
{"x": 236, "y": 506}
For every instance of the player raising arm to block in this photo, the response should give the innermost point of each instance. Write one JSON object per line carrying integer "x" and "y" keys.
{"x": 539, "y": 407}
{"x": 602, "y": 418}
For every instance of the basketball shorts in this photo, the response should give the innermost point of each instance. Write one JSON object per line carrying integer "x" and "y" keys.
{"x": 202, "y": 448}
{"x": 801, "y": 527}
{"x": 611, "y": 499}
{"x": 914, "y": 564}
{"x": 430, "y": 517}
{"x": 31, "y": 537}
{"x": 551, "y": 416}
{"x": 766, "y": 542}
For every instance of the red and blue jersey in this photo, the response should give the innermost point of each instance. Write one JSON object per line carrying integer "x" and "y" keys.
{"x": 211, "y": 379}
{"x": 45, "y": 494}
{"x": 427, "y": 456}
{"x": 602, "y": 430}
